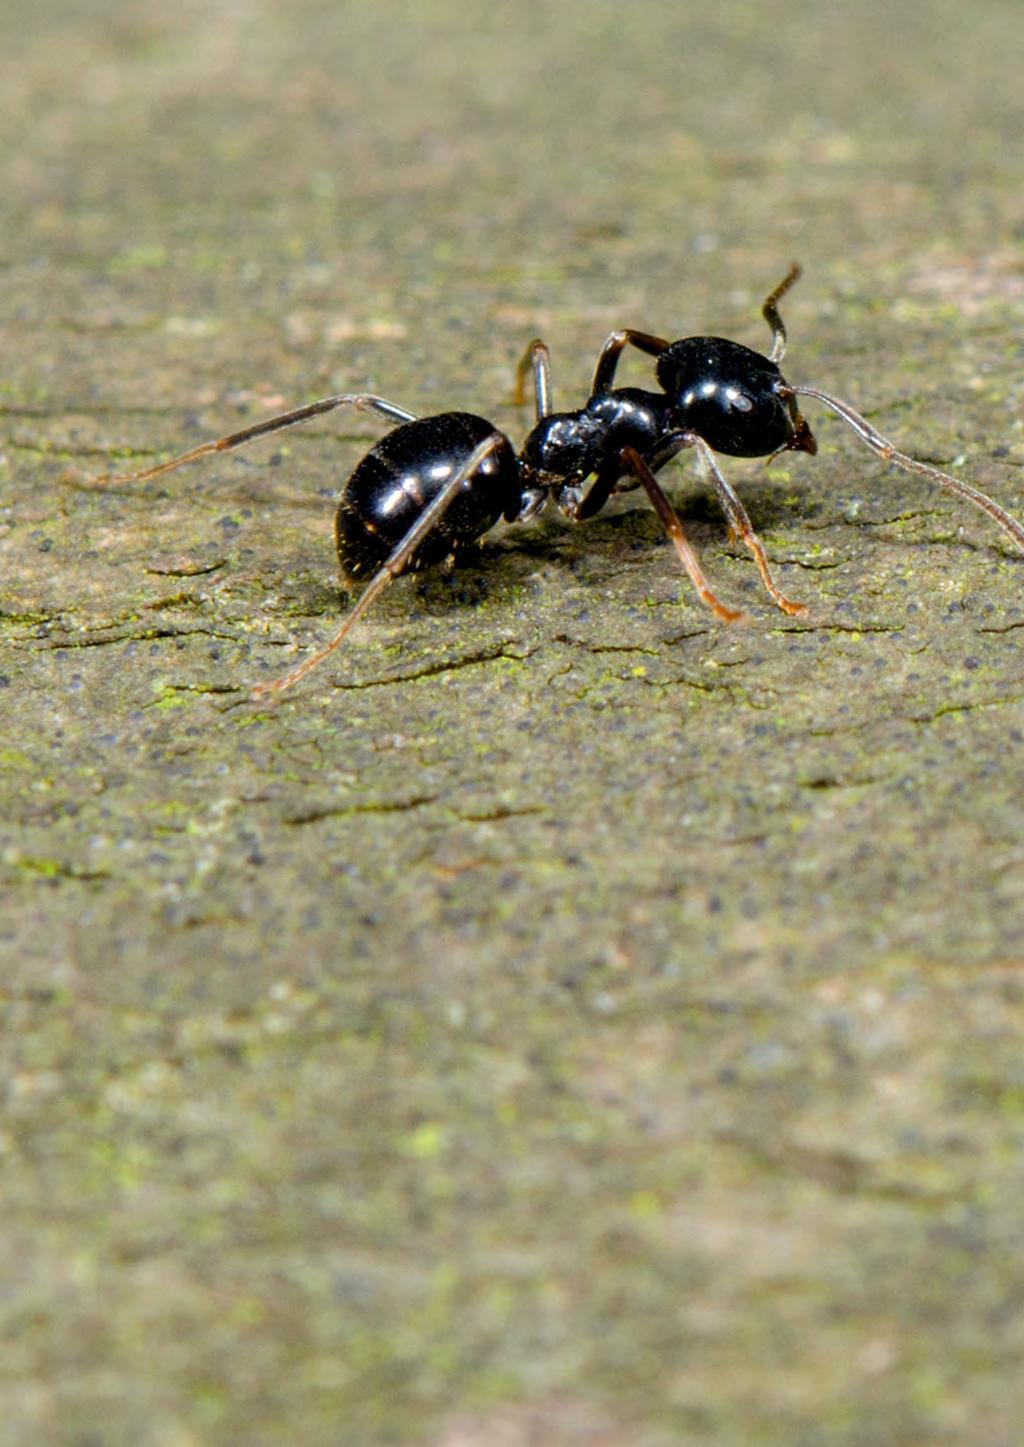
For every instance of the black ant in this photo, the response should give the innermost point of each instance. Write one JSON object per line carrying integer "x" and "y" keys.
{"x": 436, "y": 484}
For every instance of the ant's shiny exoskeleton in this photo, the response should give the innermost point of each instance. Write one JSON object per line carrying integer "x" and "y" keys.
{"x": 435, "y": 485}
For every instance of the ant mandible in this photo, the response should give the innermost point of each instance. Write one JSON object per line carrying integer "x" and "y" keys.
{"x": 435, "y": 485}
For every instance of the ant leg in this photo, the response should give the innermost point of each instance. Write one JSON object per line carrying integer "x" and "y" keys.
{"x": 537, "y": 359}
{"x": 396, "y": 563}
{"x": 771, "y": 314}
{"x": 363, "y": 401}
{"x": 596, "y": 495}
{"x": 606, "y": 481}
{"x": 741, "y": 526}
{"x": 885, "y": 449}
{"x": 674, "y": 528}
{"x": 608, "y": 361}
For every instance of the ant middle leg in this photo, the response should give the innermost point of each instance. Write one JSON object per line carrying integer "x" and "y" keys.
{"x": 608, "y": 480}
{"x": 536, "y": 359}
{"x": 644, "y": 474}
{"x": 362, "y": 401}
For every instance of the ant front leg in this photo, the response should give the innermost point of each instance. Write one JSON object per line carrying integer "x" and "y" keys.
{"x": 608, "y": 361}
{"x": 741, "y": 525}
{"x": 362, "y": 401}
{"x": 536, "y": 359}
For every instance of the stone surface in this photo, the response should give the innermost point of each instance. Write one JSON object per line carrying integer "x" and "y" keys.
{"x": 564, "y": 1019}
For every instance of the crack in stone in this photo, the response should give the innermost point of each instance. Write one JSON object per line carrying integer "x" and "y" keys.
{"x": 500, "y": 813}
{"x": 203, "y": 690}
{"x": 469, "y": 660}
{"x": 44, "y": 448}
{"x": 810, "y": 567}
{"x": 1003, "y": 628}
{"x": 965, "y": 707}
{"x": 316, "y": 812}
{"x": 53, "y": 869}
{"x": 674, "y": 638}
{"x": 838, "y": 1170}
{"x": 91, "y": 409}
{"x": 900, "y": 517}
{"x": 185, "y": 570}
{"x": 144, "y": 636}
{"x": 785, "y": 628}
{"x": 582, "y": 643}
{"x": 832, "y": 781}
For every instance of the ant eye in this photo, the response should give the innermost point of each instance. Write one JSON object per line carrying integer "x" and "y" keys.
{"x": 738, "y": 401}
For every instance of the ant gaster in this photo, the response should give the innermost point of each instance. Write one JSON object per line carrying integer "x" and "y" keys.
{"x": 434, "y": 485}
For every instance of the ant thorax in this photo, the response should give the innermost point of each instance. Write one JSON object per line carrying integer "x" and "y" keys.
{"x": 566, "y": 447}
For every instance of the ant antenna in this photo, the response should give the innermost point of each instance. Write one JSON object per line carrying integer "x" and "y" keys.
{"x": 886, "y": 450}
{"x": 770, "y": 312}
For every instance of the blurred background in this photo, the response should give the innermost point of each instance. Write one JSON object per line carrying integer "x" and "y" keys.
{"x": 341, "y": 191}
{"x": 564, "y": 1020}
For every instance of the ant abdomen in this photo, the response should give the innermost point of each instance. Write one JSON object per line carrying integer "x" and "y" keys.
{"x": 403, "y": 473}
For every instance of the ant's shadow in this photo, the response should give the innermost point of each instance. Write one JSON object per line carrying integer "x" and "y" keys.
{"x": 629, "y": 521}
{"x": 500, "y": 565}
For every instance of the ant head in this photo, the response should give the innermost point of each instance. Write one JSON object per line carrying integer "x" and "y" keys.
{"x": 734, "y": 398}
{"x": 561, "y": 448}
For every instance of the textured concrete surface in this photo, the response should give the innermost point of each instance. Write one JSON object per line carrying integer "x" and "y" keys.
{"x": 565, "y": 1019}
